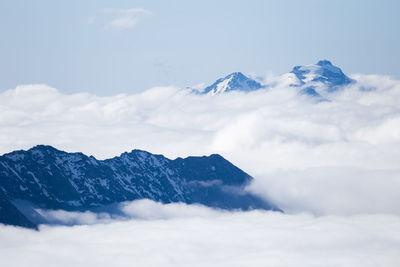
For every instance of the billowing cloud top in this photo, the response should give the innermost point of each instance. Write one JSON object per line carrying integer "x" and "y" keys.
{"x": 178, "y": 234}
{"x": 317, "y": 156}
{"x": 336, "y": 157}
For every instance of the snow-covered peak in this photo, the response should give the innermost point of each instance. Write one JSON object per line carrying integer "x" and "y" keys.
{"x": 236, "y": 81}
{"x": 323, "y": 77}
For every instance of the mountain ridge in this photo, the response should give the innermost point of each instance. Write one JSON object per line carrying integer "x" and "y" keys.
{"x": 54, "y": 179}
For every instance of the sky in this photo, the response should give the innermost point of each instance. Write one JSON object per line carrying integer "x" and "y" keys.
{"x": 107, "y": 48}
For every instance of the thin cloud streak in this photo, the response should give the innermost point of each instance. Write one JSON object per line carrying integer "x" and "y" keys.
{"x": 119, "y": 19}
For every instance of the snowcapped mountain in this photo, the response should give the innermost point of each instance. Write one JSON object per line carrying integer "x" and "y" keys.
{"x": 315, "y": 80}
{"x": 53, "y": 179}
{"x": 236, "y": 81}
{"x": 320, "y": 79}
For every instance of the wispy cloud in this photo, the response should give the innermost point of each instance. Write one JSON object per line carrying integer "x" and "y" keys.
{"x": 119, "y": 19}
{"x": 91, "y": 20}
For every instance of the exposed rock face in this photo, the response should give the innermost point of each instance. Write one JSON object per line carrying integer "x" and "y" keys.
{"x": 54, "y": 179}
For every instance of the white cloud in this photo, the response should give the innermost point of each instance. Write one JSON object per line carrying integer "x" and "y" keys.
{"x": 337, "y": 157}
{"x": 332, "y": 190}
{"x": 338, "y": 160}
{"x": 150, "y": 210}
{"x": 182, "y": 237}
{"x": 62, "y": 217}
{"x": 120, "y": 19}
{"x": 143, "y": 209}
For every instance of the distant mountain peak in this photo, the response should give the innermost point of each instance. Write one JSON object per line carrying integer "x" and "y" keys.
{"x": 235, "y": 81}
{"x": 315, "y": 80}
{"x": 319, "y": 78}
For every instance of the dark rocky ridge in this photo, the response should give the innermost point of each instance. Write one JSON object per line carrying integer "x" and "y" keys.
{"x": 53, "y": 179}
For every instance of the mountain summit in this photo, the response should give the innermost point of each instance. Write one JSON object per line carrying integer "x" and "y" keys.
{"x": 323, "y": 77}
{"x": 236, "y": 81}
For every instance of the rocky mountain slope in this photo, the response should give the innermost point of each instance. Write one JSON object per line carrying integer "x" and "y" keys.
{"x": 53, "y": 179}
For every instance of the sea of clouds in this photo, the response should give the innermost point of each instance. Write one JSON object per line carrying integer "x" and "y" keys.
{"x": 333, "y": 166}
{"x": 185, "y": 235}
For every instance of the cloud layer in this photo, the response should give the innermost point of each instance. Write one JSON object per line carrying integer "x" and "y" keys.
{"x": 182, "y": 235}
{"x": 331, "y": 157}
{"x": 332, "y": 166}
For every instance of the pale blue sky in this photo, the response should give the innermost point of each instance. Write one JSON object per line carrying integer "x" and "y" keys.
{"x": 73, "y": 45}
